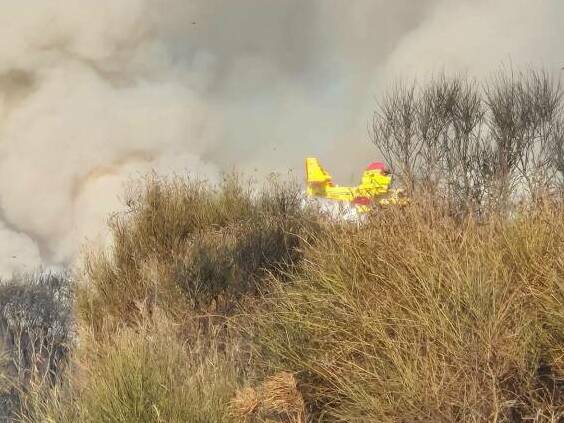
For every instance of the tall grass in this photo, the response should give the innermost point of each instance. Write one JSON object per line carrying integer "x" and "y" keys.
{"x": 191, "y": 247}
{"x": 146, "y": 374}
{"x": 418, "y": 317}
{"x": 229, "y": 304}
{"x": 152, "y": 309}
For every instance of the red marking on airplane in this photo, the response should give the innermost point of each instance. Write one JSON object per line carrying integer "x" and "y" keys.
{"x": 361, "y": 201}
{"x": 376, "y": 166}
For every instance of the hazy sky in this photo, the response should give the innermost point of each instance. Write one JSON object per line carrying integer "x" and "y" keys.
{"x": 94, "y": 92}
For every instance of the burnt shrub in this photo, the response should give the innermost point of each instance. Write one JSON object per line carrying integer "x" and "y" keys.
{"x": 36, "y": 331}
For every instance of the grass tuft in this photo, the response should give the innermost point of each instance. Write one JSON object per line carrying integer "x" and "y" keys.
{"x": 144, "y": 374}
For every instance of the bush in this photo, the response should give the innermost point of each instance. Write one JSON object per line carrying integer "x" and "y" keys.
{"x": 415, "y": 317}
{"x": 146, "y": 374}
{"x": 192, "y": 247}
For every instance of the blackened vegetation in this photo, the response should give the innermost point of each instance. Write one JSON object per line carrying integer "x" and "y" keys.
{"x": 35, "y": 334}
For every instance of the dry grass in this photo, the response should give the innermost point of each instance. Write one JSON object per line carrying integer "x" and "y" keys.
{"x": 411, "y": 316}
{"x": 277, "y": 399}
{"x": 192, "y": 248}
{"x": 144, "y": 374}
{"x": 418, "y": 317}
{"x": 245, "y": 404}
{"x": 154, "y": 344}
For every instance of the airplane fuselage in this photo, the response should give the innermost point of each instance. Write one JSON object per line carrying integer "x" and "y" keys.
{"x": 372, "y": 185}
{"x": 373, "y": 188}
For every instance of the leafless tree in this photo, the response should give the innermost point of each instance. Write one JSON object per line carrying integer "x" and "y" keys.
{"x": 524, "y": 114}
{"x": 462, "y": 147}
{"x": 395, "y": 129}
{"x": 558, "y": 155}
{"x": 478, "y": 145}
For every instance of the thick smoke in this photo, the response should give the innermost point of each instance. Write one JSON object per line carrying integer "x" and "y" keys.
{"x": 93, "y": 93}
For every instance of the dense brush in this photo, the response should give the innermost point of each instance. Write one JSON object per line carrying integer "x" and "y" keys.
{"x": 221, "y": 304}
{"x": 416, "y": 316}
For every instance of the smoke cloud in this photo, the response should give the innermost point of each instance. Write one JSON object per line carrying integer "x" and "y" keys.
{"x": 94, "y": 93}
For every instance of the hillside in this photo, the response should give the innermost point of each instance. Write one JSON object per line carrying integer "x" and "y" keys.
{"x": 218, "y": 304}
{"x": 232, "y": 302}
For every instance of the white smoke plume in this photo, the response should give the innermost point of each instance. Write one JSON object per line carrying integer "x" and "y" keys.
{"x": 94, "y": 92}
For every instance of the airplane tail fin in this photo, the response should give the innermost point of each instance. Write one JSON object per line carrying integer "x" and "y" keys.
{"x": 318, "y": 179}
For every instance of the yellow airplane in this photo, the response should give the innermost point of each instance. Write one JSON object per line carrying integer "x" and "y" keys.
{"x": 374, "y": 187}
